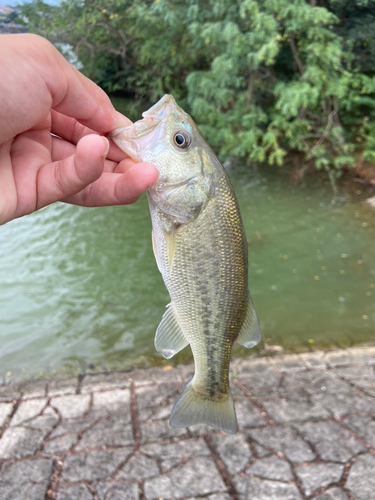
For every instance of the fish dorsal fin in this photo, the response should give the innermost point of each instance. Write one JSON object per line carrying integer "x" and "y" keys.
{"x": 169, "y": 337}
{"x": 250, "y": 334}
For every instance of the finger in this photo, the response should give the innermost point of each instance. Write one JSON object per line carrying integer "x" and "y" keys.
{"x": 50, "y": 82}
{"x": 124, "y": 165}
{"x": 135, "y": 181}
{"x": 62, "y": 149}
{"x": 71, "y": 130}
{"x": 75, "y": 95}
{"x": 84, "y": 100}
{"x": 8, "y": 191}
{"x": 117, "y": 189}
{"x": 71, "y": 175}
{"x": 68, "y": 128}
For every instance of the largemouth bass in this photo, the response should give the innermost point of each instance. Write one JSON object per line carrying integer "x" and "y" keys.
{"x": 200, "y": 248}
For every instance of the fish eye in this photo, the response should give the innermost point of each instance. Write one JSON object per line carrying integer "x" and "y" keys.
{"x": 182, "y": 139}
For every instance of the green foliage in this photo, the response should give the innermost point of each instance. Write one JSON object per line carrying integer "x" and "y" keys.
{"x": 263, "y": 78}
{"x": 357, "y": 28}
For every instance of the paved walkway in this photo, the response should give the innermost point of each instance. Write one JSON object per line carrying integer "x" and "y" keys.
{"x": 307, "y": 430}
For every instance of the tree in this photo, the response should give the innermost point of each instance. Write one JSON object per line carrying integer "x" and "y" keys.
{"x": 262, "y": 78}
{"x": 357, "y": 27}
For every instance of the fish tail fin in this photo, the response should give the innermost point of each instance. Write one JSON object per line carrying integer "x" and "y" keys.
{"x": 192, "y": 408}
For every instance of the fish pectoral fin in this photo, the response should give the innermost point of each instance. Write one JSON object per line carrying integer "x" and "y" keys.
{"x": 250, "y": 334}
{"x": 155, "y": 249}
{"x": 169, "y": 337}
{"x": 170, "y": 242}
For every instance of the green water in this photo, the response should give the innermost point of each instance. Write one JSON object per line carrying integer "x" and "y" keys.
{"x": 80, "y": 288}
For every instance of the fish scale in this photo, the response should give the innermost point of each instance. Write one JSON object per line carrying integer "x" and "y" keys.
{"x": 201, "y": 250}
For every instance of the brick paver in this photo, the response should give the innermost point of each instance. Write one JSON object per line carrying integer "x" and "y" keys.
{"x": 306, "y": 431}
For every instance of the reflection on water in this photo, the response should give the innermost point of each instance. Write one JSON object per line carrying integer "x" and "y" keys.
{"x": 80, "y": 286}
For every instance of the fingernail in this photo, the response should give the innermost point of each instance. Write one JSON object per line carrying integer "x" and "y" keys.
{"x": 124, "y": 120}
{"x": 106, "y": 146}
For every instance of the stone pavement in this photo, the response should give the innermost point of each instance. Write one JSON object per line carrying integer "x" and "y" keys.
{"x": 306, "y": 430}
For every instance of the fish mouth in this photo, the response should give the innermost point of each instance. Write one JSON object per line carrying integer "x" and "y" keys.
{"x": 135, "y": 139}
{"x": 161, "y": 108}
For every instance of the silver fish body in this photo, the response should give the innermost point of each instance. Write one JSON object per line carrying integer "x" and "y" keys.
{"x": 201, "y": 250}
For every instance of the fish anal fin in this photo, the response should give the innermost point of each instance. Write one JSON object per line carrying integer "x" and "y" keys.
{"x": 169, "y": 337}
{"x": 250, "y": 334}
{"x": 192, "y": 408}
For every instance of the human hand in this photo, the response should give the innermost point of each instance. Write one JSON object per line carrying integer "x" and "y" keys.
{"x": 42, "y": 94}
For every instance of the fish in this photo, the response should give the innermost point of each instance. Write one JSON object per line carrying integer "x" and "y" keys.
{"x": 200, "y": 248}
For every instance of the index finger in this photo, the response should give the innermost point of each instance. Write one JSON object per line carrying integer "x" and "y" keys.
{"x": 72, "y": 93}
{"x": 36, "y": 78}
{"x": 71, "y": 130}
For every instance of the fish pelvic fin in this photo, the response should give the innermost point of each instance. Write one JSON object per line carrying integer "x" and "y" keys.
{"x": 169, "y": 337}
{"x": 192, "y": 408}
{"x": 250, "y": 334}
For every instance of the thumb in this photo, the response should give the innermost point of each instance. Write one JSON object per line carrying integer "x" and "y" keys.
{"x": 67, "y": 177}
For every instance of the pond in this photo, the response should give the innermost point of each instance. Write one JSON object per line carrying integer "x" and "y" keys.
{"x": 80, "y": 288}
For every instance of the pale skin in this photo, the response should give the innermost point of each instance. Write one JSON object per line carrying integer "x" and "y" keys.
{"x": 52, "y": 126}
